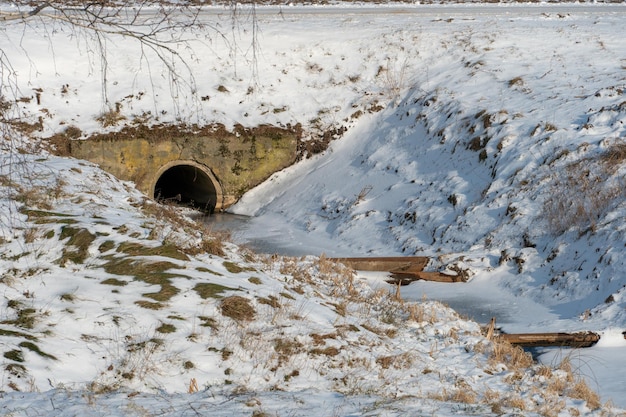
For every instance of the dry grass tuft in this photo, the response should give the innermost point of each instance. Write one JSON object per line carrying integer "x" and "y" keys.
{"x": 271, "y": 301}
{"x": 614, "y": 156}
{"x": 585, "y": 191}
{"x": 581, "y": 391}
{"x": 286, "y": 348}
{"x": 327, "y": 351}
{"x": 339, "y": 275}
{"x": 112, "y": 117}
{"x": 417, "y": 313}
{"x": 238, "y": 308}
{"x": 401, "y": 361}
{"x": 514, "y": 357}
{"x": 463, "y": 395}
{"x": 514, "y": 401}
{"x": 576, "y": 387}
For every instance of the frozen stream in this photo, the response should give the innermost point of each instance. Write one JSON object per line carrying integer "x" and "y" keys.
{"x": 479, "y": 300}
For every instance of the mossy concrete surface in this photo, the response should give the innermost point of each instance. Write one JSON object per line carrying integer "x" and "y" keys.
{"x": 235, "y": 161}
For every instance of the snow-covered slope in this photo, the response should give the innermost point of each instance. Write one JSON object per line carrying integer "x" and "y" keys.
{"x": 108, "y": 295}
{"x": 473, "y": 135}
{"x": 504, "y": 148}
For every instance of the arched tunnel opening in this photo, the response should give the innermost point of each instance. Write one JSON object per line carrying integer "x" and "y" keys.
{"x": 188, "y": 185}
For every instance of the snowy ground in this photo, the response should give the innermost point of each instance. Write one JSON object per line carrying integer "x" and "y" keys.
{"x": 487, "y": 137}
{"x": 542, "y": 90}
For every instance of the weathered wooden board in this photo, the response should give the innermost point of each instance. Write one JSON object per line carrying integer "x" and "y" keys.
{"x": 384, "y": 263}
{"x": 406, "y": 277}
{"x": 403, "y": 269}
{"x": 577, "y": 340}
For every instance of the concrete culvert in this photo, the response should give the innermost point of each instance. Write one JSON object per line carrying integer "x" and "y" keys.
{"x": 188, "y": 184}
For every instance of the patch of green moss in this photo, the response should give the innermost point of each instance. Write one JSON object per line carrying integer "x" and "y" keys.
{"x": 255, "y": 280}
{"x": 34, "y": 348}
{"x": 208, "y": 322}
{"x": 203, "y": 269}
{"x": 44, "y": 217}
{"x": 14, "y": 355}
{"x": 149, "y": 305}
{"x": 167, "y": 250}
{"x": 209, "y": 290}
{"x": 166, "y": 328}
{"x": 77, "y": 247}
{"x": 233, "y": 268}
{"x": 114, "y": 281}
{"x": 150, "y": 272}
{"x": 166, "y": 292}
{"x": 13, "y": 333}
{"x": 135, "y": 267}
{"x": 106, "y": 246}
{"x": 25, "y": 316}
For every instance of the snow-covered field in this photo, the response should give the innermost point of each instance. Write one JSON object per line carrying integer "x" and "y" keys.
{"x": 490, "y": 137}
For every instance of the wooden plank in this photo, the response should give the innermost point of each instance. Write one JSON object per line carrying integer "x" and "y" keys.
{"x": 384, "y": 263}
{"x": 406, "y": 277}
{"x": 403, "y": 269}
{"x": 579, "y": 339}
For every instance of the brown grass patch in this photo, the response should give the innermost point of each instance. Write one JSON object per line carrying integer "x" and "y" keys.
{"x": 209, "y": 290}
{"x": 514, "y": 401}
{"x": 328, "y": 351}
{"x": 112, "y": 117}
{"x": 320, "y": 339}
{"x": 585, "y": 191}
{"x": 286, "y": 348}
{"x": 514, "y": 357}
{"x": 581, "y": 391}
{"x": 271, "y": 301}
{"x": 400, "y": 361}
{"x": 238, "y": 308}
{"x": 614, "y": 156}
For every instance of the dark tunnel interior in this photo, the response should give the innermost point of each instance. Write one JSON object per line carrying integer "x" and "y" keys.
{"x": 186, "y": 185}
